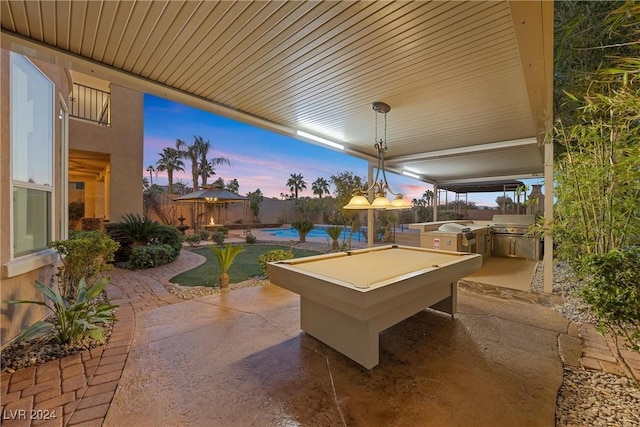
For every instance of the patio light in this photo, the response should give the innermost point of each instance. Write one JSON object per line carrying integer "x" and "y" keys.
{"x": 379, "y": 188}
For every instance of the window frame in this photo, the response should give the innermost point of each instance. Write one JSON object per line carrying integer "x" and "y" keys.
{"x": 31, "y": 257}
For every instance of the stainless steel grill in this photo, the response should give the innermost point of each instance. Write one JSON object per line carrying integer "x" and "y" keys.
{"x": 510, "y": 237}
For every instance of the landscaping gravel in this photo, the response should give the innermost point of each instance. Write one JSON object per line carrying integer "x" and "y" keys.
{"x": 24, "y": 354}
{"x": 588, "y": 397}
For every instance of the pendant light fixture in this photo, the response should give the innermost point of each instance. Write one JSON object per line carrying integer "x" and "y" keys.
{"x": 379, "y": 188}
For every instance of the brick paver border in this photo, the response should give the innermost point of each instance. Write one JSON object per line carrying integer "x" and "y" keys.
{"x": 78, "y": 389}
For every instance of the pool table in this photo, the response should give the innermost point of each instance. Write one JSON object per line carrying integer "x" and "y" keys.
{"x": 348, "y": 298}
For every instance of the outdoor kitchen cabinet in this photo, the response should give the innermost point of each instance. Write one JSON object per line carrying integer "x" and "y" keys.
{"x": 516, "y": 246}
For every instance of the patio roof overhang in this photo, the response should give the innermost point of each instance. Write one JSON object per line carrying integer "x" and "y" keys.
{"x": 469, "y": 82}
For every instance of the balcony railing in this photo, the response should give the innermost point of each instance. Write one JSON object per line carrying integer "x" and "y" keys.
{"x": 91, "y": 104}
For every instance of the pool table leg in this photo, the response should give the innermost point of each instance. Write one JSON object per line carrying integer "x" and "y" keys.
{"x": 448, "y": 305}
{"x": 356, "y": 339}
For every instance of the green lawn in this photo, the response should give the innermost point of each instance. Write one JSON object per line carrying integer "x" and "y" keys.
{"x": 245, "y": 266}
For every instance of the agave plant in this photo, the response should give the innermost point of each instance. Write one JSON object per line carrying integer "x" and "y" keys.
{"x": 334, "y": 233}
{"x": 303, "y": 227}
{"x": 73, "y": 320}
{"x": 225, "y": 257}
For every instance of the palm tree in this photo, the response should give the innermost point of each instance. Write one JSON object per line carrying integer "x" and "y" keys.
{"x": 296, "y": 183}
{"x": 170, "y": 161}
{"x": 194, "y": 152}
{"x": 303, "y": 227}
{"x": 319, "y": 187}
{"x": 207, "y": 167}
{"x": 150, "y": 169}
{"x": 225, "y": 257}
{"x": 428, "y": 196}
{"x": 197, "y": 154}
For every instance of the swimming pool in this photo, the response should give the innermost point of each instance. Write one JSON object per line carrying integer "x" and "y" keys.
{"x": 317, "y": 232}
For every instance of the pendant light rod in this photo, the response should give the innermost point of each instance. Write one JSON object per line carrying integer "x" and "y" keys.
{"x": 380, "y": 188}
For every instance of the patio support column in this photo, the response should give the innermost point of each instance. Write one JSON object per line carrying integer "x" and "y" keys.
{"x": 436, "y": 200}
{"x": 548, "y": 214}
{"x": 370, "y": 219}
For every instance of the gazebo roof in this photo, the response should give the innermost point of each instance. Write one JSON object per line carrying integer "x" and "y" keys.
{"x": 216, "y": 194}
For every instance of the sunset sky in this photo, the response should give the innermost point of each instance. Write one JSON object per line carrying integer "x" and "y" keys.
{"x": 259, "y": 158}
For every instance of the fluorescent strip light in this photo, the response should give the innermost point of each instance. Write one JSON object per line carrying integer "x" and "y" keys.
{"x": 320, "y": 140}
{"x": 408, "y": 169}
{"x": 412, "y": 175}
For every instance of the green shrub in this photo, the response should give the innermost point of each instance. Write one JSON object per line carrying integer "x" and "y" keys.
{"x": 73, "y": 321}
{"x": 138, "y": 229}
{"x": 218, "y": 237}
{"x": 192, "y": 240}
{"x": 86, "y": 254}
{"x": 273, "y": 256}
{"x": 613, "y": 292}
{"x": 250, "y": 239}
{"x": 204, "y": 235}
{"x": 167, "y": 235}
{"x": 150, "y": 256}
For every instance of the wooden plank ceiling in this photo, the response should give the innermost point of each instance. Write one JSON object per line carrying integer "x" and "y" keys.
{"x": 469, "y": 83}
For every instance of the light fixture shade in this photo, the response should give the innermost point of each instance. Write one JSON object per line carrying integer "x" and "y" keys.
{"x": 381, "y": 202}
{"x": 358, "y": 202}
{"x": 400, "y": 203}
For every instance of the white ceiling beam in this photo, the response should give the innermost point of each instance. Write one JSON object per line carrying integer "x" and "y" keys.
{"x": 490, "y": 178}
{"x": 471, "y": 149}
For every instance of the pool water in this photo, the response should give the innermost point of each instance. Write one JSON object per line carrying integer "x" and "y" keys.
{"x": 317, "y": 232}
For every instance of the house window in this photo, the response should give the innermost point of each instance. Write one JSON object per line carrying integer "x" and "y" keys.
{"x": 32, "y": 143}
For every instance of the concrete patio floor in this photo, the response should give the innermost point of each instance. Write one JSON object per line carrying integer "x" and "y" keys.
{"x": 240, "y": 360}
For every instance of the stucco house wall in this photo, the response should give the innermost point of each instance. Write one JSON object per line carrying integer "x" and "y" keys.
{"x": 124, "y": 142}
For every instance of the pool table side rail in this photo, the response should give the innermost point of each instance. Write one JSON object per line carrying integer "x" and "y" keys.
{"x": 369, "y": 303}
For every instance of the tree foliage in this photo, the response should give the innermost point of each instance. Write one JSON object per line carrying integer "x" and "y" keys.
{"x": 85, "y": 256}
{"x": 170, "y": 161}
{"x": 588, "y": 40}
{"x": 255, "y": 199}
{"x": 296, "y": 184}
{"x": 613, "y": 291}
{"x": 597, "y": 172}
{"x": 197, "y": 153}
{"x": 320, "y": 187}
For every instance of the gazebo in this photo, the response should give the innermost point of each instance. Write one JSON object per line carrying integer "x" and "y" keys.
{"x": 206, "y": 201}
